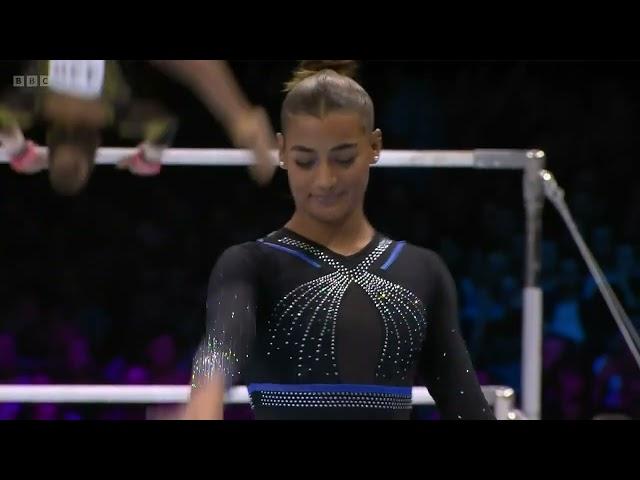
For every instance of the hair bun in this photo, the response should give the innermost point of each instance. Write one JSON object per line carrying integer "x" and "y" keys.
{"x": 307, "y": 68}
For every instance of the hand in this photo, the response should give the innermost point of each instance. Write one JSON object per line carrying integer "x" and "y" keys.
{"x": 140, "y": 164}
{"x": 252, "y": 130}
{"x": 12, "y": 140}
{"x": 24, "y": 156}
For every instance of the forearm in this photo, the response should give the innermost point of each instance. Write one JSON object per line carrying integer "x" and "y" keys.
{"x": 214, "y": 83}
{"x": 207, "y": 401}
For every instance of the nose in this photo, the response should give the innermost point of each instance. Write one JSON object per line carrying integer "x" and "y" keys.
{"x": 326, "y": 178}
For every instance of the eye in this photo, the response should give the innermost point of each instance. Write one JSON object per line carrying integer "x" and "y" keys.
{"x": 304, "y": 162}
{"x": 345, "y": 161}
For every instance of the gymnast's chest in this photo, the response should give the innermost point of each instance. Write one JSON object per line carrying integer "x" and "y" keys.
{"x": 331, "y": 325}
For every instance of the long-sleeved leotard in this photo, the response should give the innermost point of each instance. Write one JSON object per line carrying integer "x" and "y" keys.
{"x": 315, "y": 334}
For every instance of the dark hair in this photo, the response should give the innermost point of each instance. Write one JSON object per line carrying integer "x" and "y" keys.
{"x": 322, "y": 86}
{"x": 70, "y": 178}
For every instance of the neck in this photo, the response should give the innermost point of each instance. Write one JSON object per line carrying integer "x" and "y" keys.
{"x": 345, "y": 237}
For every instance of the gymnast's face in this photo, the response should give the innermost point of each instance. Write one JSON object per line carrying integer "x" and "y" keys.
{"x": 327, "y": 161}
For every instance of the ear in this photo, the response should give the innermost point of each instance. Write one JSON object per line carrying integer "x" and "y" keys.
{"x": 375, "y": 142}
{"x": 281, "y": 155}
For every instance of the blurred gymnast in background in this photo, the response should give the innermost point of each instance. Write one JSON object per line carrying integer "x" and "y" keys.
{"x": 83, "y": 97}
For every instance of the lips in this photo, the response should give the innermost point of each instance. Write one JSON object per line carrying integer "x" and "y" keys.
{"x": 327, "y": 199}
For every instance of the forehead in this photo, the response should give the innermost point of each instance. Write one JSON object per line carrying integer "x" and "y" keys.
{"x": 330, "y": 129}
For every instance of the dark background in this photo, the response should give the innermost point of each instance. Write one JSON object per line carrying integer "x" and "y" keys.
{"x": 109, "y": 286}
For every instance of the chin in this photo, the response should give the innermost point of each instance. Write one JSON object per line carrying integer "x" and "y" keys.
{"x": 329, "y": 215}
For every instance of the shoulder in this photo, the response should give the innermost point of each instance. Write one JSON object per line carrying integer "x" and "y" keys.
{"x": 428, "y": 260}
{"x": 242, "y": 257}
{"x": 241, "y": 252}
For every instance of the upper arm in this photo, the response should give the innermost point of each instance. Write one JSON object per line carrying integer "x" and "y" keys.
{"x": 445, "y": 362}
{"x": 230, "y": 316}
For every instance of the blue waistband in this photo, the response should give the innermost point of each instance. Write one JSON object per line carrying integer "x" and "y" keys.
{"x": 329, "y": 387}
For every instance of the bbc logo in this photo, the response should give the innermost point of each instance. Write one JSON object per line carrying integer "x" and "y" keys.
{"x": 30, "y": 81}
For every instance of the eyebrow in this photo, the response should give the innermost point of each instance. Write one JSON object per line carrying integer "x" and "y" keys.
{"x": 300, "y": 148}
{"x": 342, "y": 146}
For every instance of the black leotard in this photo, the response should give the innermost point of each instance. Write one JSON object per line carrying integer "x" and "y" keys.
{"x": 315, "y": 334}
